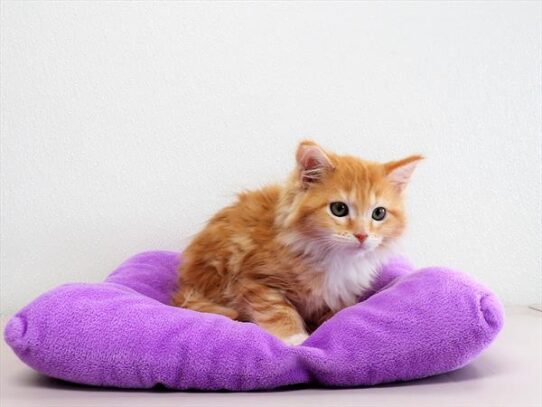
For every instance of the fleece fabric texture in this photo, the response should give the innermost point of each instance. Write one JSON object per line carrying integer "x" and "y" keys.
{"x": 123, "y": 333}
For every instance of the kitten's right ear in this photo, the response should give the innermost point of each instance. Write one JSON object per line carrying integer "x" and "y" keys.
{"x": 312, "y": 162}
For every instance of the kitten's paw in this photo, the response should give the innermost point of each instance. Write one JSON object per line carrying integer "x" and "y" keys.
{"x": 296, "y": 339}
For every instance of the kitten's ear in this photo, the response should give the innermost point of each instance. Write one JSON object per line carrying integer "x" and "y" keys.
{"x": 312, "y": 161}
{"x": 399, "y": 172}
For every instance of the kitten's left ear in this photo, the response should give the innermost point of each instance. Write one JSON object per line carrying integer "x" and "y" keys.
{"x": 399, "y": 172}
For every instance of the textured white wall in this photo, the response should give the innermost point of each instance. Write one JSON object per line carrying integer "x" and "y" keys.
{"x": 126, "y": 125}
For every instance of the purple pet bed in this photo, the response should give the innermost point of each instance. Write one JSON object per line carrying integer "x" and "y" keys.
{"x": 123, "y": 333}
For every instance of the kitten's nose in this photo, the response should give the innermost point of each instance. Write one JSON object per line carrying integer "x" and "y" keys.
{"x": 361, "y": 237}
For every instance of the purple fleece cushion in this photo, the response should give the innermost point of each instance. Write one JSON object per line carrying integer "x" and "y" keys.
{"x": 122, "y": 333}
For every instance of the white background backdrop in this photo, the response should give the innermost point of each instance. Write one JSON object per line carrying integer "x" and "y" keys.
{"x": 126, "y": 125}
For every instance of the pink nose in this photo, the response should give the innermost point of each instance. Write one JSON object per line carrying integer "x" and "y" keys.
{"x": 361, "y": 237}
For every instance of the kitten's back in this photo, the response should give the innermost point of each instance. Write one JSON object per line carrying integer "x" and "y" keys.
{"x": 215, "y": 257}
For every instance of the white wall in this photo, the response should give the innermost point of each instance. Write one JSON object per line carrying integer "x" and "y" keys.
{"x": 126, "y": 125}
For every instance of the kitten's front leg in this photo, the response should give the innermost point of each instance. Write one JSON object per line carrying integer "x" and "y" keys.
{"x": 270, "y": 309}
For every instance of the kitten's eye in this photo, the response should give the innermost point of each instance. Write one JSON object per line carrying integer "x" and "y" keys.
{"x": 338, "y": 209}
{"x": 379, "y": 213}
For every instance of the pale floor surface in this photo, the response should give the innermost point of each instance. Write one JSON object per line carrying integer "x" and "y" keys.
{"x": 509, "y": 373}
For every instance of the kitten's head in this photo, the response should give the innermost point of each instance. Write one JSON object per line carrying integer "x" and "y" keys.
{"x": 343, "y": 204}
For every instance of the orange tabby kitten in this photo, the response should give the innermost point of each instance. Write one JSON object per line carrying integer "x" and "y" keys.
{"x": 289, "y": 256}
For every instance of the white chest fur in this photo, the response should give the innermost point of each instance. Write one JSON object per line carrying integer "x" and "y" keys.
{"x": 348, "y": 277}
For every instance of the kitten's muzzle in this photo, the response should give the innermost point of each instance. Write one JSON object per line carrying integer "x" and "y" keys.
{"x": 361, "y": 237}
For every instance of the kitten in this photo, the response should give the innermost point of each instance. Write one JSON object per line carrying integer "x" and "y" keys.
{"x": 288, "y": 257}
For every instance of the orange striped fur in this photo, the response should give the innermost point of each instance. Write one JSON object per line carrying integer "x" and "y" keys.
{"x": 281, "y": 258}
